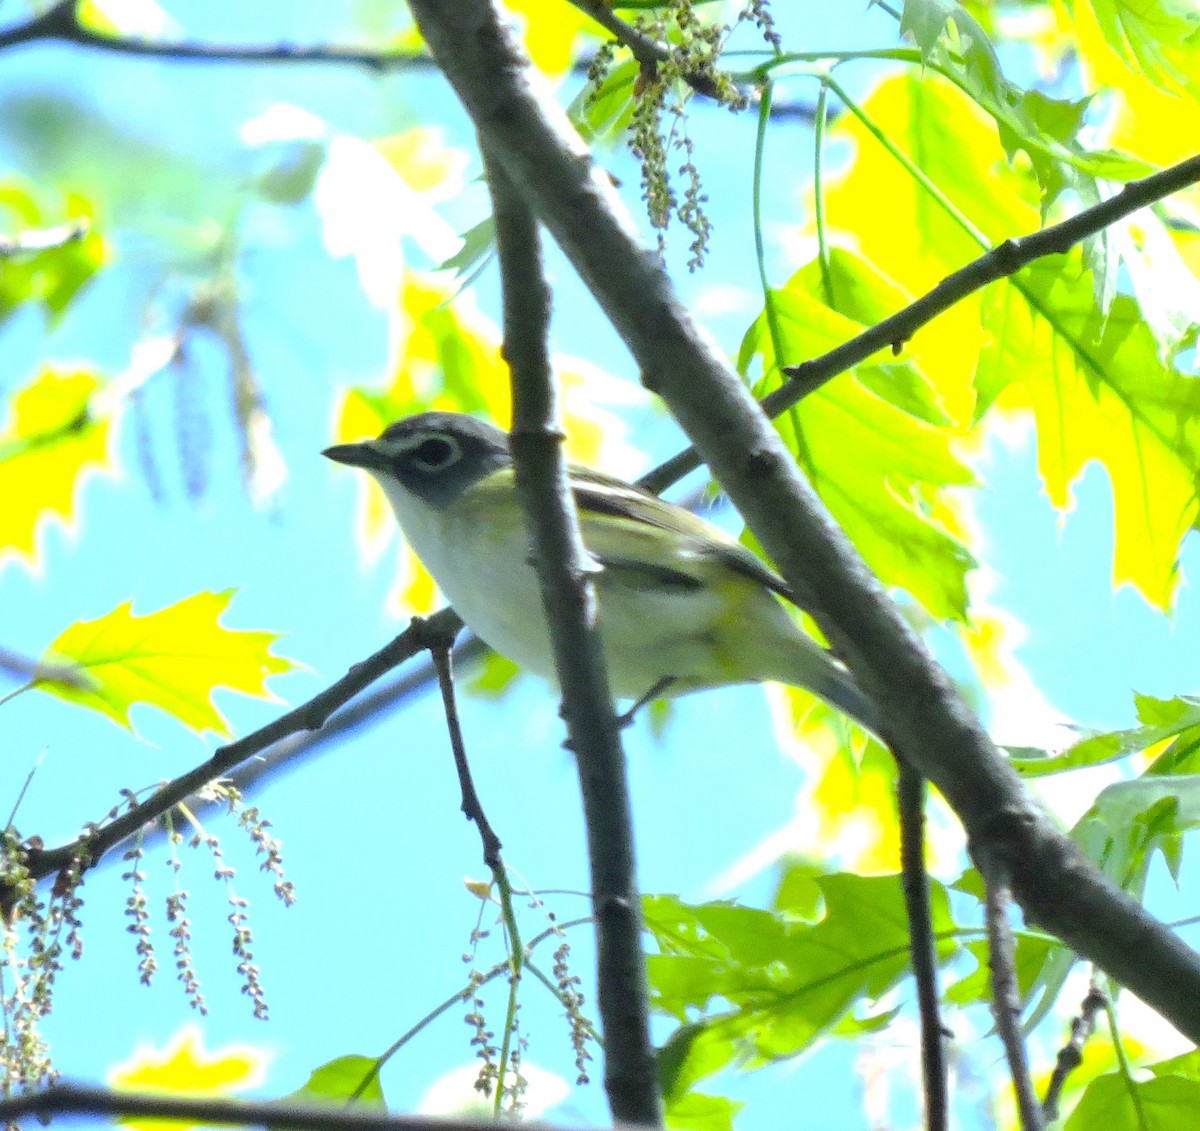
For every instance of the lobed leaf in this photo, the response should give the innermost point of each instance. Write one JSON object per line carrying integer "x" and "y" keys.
{"x": 48, "y": 445}
{"x": 875, "y": 448}
{"x": 783, "y": 982}
{"x": 172, "y": 659}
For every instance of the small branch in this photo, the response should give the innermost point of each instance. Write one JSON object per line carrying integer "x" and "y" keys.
{"x": 80, "y": 1099}
{"x": 569, "y": 601}
{"x": 60, "y": 23}
{"x": 309, "y": 716}
{"x": 648, "y": 52}
{"x": 1070, "y": 1056}
{"x": 1006, "y": 996}
{"x": 23, "y": 667}
{"x": 440, "y": 650}
{"x": 1003, "y": 260}
{"x": 471, "y": 805}
{"x": 364, "y": 711}
{"x": 44, "y": 239}
{"x": 922, "y": 944}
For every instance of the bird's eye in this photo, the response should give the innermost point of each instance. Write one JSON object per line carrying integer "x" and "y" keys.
{"x": 434, "y": 454}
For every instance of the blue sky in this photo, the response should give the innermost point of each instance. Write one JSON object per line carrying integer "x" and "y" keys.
{"x": 373, "y": 838}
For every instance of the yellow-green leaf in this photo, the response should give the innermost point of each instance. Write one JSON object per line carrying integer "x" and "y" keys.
{"x": 870, "y": 452}
{"x": 48, "y": 443}
{"x": 345, "y": 1079}
{"x": 53, "y": 276}
{"x": 1160, "y": 40}
{"x": 1100, "y": 391}
{"x": 1102, "y": 386}
{"x": 172, "y": 659}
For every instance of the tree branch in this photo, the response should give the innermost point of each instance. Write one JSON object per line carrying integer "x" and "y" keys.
{"x": 60, "y": 23}
{"x": 472, "y": 807}
{"x": 922, "y": 944}
{"x": 930, "y": 722}
{"x": 307, "y": 717}
{"x": 1070, "y": 1056}
{"x": 1006, "y": 996}
{"x": 1002, "y": 261}
{"x": 80, "y": 1099}
{"x": 569, "y": 599}
{"x": 648, "y": 52}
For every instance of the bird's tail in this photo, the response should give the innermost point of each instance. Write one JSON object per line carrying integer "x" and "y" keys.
{"x": 838, "y": 689}
{"x": 802, "y": 662}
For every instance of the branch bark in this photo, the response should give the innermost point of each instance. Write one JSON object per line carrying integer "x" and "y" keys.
{"x": 310, "y": 716}
{"x": 83, "y": 1100}
{"x": 928, "y": 719}
{"x": 564, "y": 571}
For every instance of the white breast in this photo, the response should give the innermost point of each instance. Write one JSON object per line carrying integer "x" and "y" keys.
{"x": 483, "y": 568}
{"x": 485, "y": 575}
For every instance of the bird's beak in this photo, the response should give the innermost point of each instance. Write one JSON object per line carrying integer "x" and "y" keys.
{"x": 364, "y": 454}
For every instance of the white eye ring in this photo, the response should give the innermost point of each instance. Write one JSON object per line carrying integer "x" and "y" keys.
{"x": 435, "y": 453}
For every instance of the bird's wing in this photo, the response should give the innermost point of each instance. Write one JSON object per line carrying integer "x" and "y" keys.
{"x": 634, "y": 508}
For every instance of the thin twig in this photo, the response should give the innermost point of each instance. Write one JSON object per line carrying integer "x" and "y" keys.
{"x": 564, "y": 576}
{"x": 365, "y": 711}
{"x": 922, "y": 944}
{"x": 309, "y": 716}
{"x": 1006, "y": 996}
{"x": 61, "y": 23}
{"x": 1070, "y": 1056}
{"x": 440, "y": 651}
{"x": 80, "y": 1099}
{"x": 471, "y": 805}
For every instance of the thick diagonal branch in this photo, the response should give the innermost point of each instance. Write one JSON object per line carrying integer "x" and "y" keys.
{"x": 927, "y": 718}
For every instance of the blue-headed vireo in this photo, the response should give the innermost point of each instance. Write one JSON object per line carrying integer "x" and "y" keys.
{"x": 682, "y": 605}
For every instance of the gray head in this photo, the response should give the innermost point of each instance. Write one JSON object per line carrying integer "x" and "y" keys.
{"x": 434, "y": 455}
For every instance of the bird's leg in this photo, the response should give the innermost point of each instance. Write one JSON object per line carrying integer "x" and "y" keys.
{"x": 627, "y": 718}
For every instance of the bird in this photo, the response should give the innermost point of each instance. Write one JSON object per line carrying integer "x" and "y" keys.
{"x": 682, "y": 606}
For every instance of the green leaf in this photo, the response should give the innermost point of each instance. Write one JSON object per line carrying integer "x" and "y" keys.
{"x": 55, "y": 276}
{"x": 1108, "y": 388}
{"x": 787, "y": 981}
{"x": 1165, "y": 720}
{"x": 1130, "y": 820}
{"x": 172, "y": 659}
{"x": 697, "y": 1112}
{"x": 1117, "y": 1103}
{"x": 876, "y": 465}
{"x": 605, "y": 111}
{"x": 1047, "y": 129}
{"x": 1033, "y": 955}
{"x": 345, "y": 1078}
{"x": 479, "y": 244}
{"x": 1186, "y": 1064}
